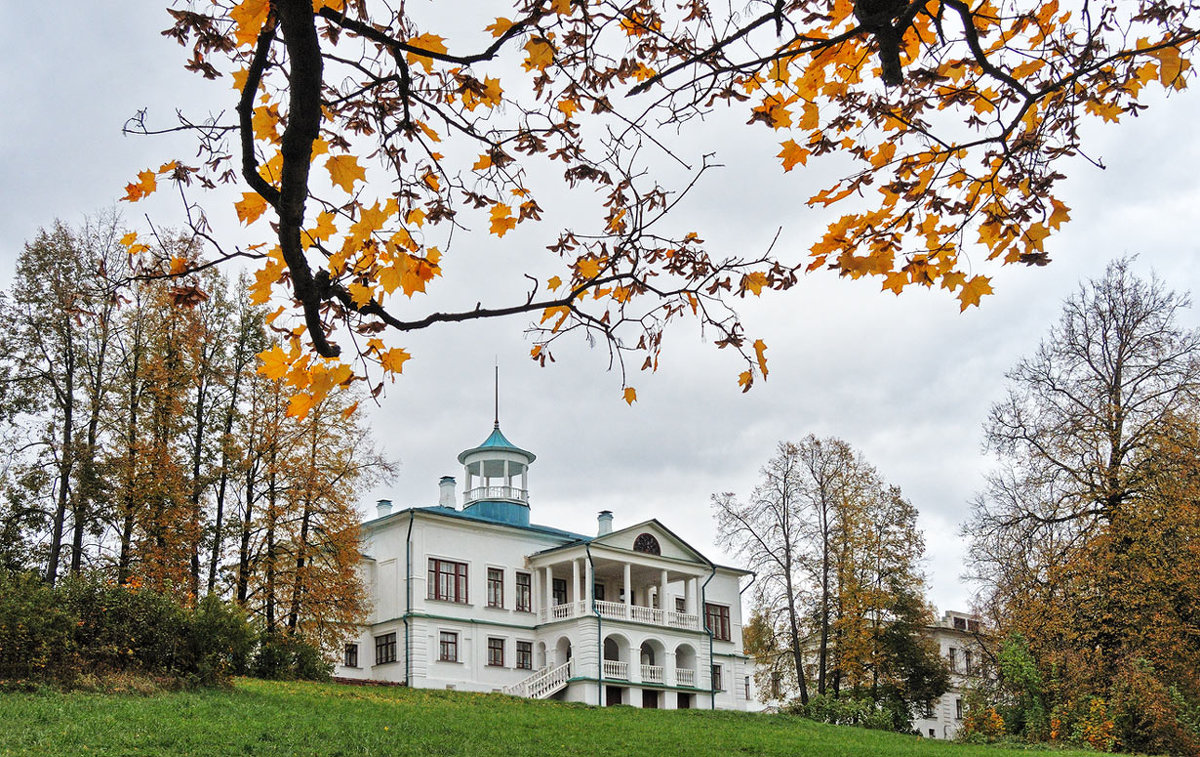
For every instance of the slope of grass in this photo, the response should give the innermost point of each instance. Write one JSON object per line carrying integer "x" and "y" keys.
{"x": 268, "y": 718}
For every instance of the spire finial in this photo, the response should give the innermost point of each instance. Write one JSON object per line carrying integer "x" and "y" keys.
{"x": 497, "y": 421}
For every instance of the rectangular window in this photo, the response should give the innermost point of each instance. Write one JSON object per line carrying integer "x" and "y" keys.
{"x": 385, "y": 648}
{"x": 680, "y": 605}
{"x": 927, "y": 709}
{"x": 958, "y": 709}
{"x": 747, "y": 682}
{"x": 525, "y": 655}
{"x": 448, "y": 646}
{"x": 598, "y": 592}
{"x": 717, "y": 683}
{"x": 447, "y": 580}
{"x": 960, "y": 624}
{"x": 495, "y": 652}
{"x": 967, "y": 661}
{"x": 560, "y": 591}
{"x": 717, "y": 619}
{"x": 350, "y": 656}
{"x": 524, "y": 592}
{"x": 495, "y": 587}
{"x": 953, "y": 660}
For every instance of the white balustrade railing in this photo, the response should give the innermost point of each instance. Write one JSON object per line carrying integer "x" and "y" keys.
{"x": 685, "y": 677}
{"x": 611, "y": 610}
{"x": 542, "y": 683}
{"x": 653, "y": 674}
{"x": 646, "y": 615}
{"x": 616, "y": 669}
{"x": 622, "y": 611}
{"x": 683, "y": 620}
{"x": 480, "y": 493}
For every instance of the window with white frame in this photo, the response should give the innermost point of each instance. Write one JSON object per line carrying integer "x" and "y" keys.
{"x": 350, "y": 656}
{"x": 716, "y": 617}
{"x": 717, "y": 683}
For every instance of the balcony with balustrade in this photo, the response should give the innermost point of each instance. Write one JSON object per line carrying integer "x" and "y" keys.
{"x": 618, "y": 590}
{"x": 656, "y": 664}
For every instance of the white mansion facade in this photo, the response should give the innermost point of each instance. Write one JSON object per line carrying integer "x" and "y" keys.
{"x": 478, "y": 598}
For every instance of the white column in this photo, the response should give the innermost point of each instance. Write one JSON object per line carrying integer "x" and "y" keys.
{"x": 662, "y": 593}
{"x": 574, "y": 595}
{"x": 687, "y": 595}
{"x": 507, "y": 476}
{"x": 628, "y": 592}
{"x": 549, "y": 590}
{"x": 535, "y": 588}
{"x": 588, "y": 580}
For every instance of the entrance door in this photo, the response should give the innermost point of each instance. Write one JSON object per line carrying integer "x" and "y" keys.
{"x": 613, "y": 695}
{"x": 649, "y": 699}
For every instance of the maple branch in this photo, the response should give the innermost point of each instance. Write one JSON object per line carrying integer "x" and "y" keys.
{"x": 245, "y": 111}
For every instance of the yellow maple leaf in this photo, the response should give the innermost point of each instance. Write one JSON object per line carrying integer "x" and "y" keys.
{"x": 393, "y": 360}
{"x": 568, "y": 106}
{"x": 431, "y": 180}
{"x": 360, "y": 294}
{"x": 265, "y": 123}
{"x": 1171, "y": 65}
{"x": 275, "y": 363}
{"x": 754, "y": 282}
{"x": 502, "y": 219}
{"x": 249, "y": 17}
{"x": 553, "y": 282}
{"x": 416, "y": 216}
{"x": 540, "y": 53}
{"x": 500, "y": 27}
{"x": 973, "y": 290}
{"x": 147, "y": 182}
{"x": 630, "y": 395}
{"x": 589, "y": 268}
{"x": 344, "y": 170}
{"x": 745, "y": 380}
{"x": 895, "y": 281}
{"x": 429, "y": 43}
{"x": 792, "y": 154}
{"x": 810, "y": 116}
{"x": 484, "y": 162}
{"x": 299, "y": 405}
{"x": 325, "y": 227}
{"x": 760, "y": 353}
{"x": 1060, "y": 214}
{"x": 250, "y": 207}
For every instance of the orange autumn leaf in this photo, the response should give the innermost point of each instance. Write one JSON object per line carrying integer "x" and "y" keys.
{"x": 427, "y": 42}
{"x": 792, "y": 154}
{"x": 344, "y": 170}
{"x": 393, "y": 360}
{"x": 250, "y": 207}
{"x": 630, "y": 395}
{"x": 973, "y": 290}
{"x": 760, "y": 353}
{"x": 502, "y": 219}
{"x": 275, "y": 363}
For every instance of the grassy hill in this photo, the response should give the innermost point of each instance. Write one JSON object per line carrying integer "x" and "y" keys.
{"x": 269, "y": 718}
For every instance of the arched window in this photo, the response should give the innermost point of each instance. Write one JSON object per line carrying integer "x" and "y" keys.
{"x": 646, "y": 543}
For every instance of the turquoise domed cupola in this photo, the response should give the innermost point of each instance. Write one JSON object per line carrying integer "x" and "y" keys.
{"x": 497, "y": 480}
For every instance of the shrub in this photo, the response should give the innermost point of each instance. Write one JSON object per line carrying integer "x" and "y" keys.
{"x": 863, "y": 713}
{"x": 88, "y": 629}
{"x": 36, "y": 634}
{"x": 1149, "y": 715}
{"x": 284, "y": 657}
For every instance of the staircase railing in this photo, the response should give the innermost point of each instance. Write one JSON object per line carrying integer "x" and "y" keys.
{"x": 542, "y": 683}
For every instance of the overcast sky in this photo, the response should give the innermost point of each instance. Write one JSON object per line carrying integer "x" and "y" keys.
{"x": 907, "y": 380}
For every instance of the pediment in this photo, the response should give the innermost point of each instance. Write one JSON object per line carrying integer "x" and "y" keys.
{"x": 643, "y": 537}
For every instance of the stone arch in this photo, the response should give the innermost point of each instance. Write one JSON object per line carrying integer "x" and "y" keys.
{"x": 562, "y": 650}
{"x": 616, "y": 647}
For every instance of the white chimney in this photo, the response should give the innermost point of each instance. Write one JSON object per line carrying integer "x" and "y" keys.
{"x": 605, "y": 520}
{"x": 383, "y": 507}
{"x": 447, "y": 498}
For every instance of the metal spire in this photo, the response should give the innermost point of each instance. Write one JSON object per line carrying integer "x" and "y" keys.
{"x": 497, "y": 421}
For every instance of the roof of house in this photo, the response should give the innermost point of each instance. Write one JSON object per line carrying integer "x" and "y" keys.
{"x": 496, "y": 441}
{"x": 446, "y": 512}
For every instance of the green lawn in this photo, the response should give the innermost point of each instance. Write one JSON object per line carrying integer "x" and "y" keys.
{"x": 265, "y": 718}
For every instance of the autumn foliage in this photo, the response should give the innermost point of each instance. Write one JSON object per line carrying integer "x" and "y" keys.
{"x": 365, "y": 139}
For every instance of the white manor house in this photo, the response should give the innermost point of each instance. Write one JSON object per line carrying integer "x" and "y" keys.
{"x": 478, "y": 598}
